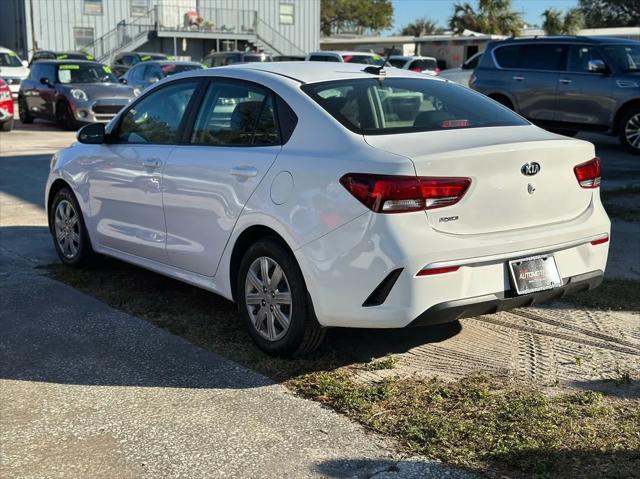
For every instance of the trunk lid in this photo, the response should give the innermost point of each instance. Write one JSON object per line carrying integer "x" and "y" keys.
{"x": 501, "y": 197}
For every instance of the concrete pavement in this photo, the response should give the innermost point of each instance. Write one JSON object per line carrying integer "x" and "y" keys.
{"x": 88, "y": 391}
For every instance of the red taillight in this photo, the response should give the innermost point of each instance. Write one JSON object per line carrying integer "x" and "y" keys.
{"x": 589, "y": 173}
{"x": 432, "y": 271}
{"x": 416, "y": 69}
{"x": 600, "y": 241}
{"x": 400, "y": 194}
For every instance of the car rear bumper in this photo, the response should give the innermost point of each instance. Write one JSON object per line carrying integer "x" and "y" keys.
{"x": 364, "y": 274}
{"x": 504, "y": 301}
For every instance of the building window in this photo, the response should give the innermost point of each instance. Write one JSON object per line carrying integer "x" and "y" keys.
{"x": 92, "y": 7}
{"x": 139, "y": 8}
{"x": 82, "y": 36}
{"x": 286, "y": 13}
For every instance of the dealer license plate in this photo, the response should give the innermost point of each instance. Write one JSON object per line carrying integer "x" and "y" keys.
{"x": 537, "y": 273}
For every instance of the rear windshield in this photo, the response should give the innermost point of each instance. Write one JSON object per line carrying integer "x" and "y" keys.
{"x": 397, "y": 62}
{"x": 402, "y": 105}
{"x": 172, "y": 68}
{"x": 366, "y": 59}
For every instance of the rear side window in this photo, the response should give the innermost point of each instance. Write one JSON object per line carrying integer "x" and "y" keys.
{"x": 405, "y": 105}
{"x": 541, "y": 56}
{"x": 236, "y": 115}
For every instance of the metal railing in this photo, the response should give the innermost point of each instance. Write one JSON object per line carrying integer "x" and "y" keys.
{"x": 123, "y": 34}
{"x": 275, "y": 40}
{"x": 179, "y": 18}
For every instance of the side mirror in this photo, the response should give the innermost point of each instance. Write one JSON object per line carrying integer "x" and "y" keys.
{"x": 25, "y": 63}
{"x": 123, "y": 80}
{"x": 596, "y": 66}
{"x": 44, "y": 81}
{"x": 92, "y": 134}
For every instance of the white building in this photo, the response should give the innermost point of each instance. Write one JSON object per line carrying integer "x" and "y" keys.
{"x": 186, "y": 28}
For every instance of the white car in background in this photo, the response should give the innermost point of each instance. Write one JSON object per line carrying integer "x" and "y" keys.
{"x": 312, "y": 205}
{"x": 345, "y": 57}
{"x": 12, "y": 70}
{"x": 462, "y": 74}
{"x": 428, "y": 65}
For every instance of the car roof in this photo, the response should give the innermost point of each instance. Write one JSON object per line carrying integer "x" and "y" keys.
{"x": 309, "y": 72}
{"x": 169, "y": 62}
{"x": 5, "y": 49}
{"x": 236, "y": 52}
{"x": 410, "y": 57}
{"x": 570, "y": 39}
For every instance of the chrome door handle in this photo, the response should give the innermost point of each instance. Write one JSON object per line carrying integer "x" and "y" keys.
{"x": 518, "y": 78}
{"x": 564, "y": 81}
{"x": 152, "y": 163}
{"x": 244, "y": 171}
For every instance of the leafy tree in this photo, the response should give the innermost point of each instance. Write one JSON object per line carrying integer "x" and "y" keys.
{"x": 359, "y": 16}
{"x": 610, "y": 13}
{"x": 420, "y": 27}
{"x": 492, "y": 16}
{"x": 555, "y": 23}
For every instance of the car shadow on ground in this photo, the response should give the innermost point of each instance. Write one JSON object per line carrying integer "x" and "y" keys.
{"x": 574, "y": 464}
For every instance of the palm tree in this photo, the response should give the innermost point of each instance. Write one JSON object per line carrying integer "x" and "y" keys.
{"x": 420, "y": 27}
{"x": 555, "y": 23}
{"x": 492, "y": 17}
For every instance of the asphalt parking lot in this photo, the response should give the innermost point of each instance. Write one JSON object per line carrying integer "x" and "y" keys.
{"x": 90, "y": 390}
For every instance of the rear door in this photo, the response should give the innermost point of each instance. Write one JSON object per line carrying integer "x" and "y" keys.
{"x": 233, "y": 142}
{"x": 530, "y": 74}
{"x": 584, "y": 97}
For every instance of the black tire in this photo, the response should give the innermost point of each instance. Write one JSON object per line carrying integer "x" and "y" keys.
{"x": 304, "y": 333}
{"x": 65, "y": 118}
{"x": 23, "y": 112}
{"x": 7, "y": 125}
{"x": 630, "y": 122}
{"x": 85, "y": 254}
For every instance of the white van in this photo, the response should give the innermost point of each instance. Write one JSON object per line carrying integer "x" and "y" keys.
{"x": 12, "y": 69}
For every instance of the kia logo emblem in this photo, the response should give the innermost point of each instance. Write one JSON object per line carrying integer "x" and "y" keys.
{"x": 530, "y": 169}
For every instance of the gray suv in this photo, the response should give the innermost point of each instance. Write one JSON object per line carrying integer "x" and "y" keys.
{"x": 567, "y": 84}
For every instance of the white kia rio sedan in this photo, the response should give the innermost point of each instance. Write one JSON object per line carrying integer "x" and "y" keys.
{"x": 318, "y": 195}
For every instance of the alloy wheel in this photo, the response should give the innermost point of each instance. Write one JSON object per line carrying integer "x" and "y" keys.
{"x": 67, "y": 229}
{"x": 268, "y": 298}
{"x": 632, "y": 131}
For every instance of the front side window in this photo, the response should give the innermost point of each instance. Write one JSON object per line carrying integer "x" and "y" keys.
{"x": 152, "y": 72}
{"x": 85, "y": 73}
{"x": 406, "y": 105}
{"x": 234, "y": 115}
{"x": 136, "y": 73}
{"x": 580, "y": 56}
{"x": 286, "y": 13}
{"x": 156, "y": 118}
{"x": 625, "y": 57}
{"x": 82, "y": 36}
{"x": 92, "y": 7}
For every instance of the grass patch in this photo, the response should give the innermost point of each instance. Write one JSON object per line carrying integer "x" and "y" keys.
{"x": 388, "y": 362}
{"x": 486, "y": 424}
{"x": 612, "y": 294}
{"x": 493, "y": 425}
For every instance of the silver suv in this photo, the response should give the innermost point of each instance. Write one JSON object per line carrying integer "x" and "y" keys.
{"x": 567, "y": 84}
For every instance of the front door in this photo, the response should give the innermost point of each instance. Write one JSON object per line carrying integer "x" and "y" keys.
{"x": 585, "y": 97}
{"x": 125, "y": 178}
{"x": 234, "y": 142}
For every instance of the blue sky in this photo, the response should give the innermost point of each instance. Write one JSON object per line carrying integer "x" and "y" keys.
{"x": 439, "y": 11}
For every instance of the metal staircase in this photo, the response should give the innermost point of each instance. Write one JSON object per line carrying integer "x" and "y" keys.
{"x": 130, "y": 35}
